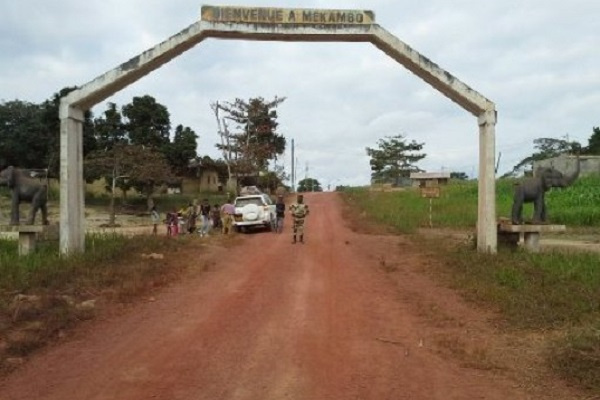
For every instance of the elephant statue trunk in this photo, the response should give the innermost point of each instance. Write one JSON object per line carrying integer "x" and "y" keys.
{"x": 24, "y": 188}
{"x": 533, "y": 190}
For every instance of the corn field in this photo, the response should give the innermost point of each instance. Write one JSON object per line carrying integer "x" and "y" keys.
{"x": 575, "y": 206}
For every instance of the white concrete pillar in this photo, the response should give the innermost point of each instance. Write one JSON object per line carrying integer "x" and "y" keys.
{"x": 72, "y": 187}
{"x": 487, "y": 239}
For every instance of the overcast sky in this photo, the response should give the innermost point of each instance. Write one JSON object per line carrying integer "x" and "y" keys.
{"x": 537, "y": 60}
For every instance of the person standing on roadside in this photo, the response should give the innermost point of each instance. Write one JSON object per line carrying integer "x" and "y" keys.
{"x": 205, "y": 214}
{"x": 279, "y": 214}
{"x": 155, "y": 218}
{"x": 215, "y": 216}
{"x": 191, "y": 216}
{"x": 227, "y": 212}
{"x": 299, "y": 213}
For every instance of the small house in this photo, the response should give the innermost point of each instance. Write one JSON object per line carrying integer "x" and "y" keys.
{"x": 430, "y": 179}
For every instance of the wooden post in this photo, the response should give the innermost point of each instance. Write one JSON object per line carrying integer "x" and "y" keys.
{"x": 430, "y": 212}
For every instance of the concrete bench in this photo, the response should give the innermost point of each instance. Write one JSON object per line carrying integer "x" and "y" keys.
{"x": 28, "y": 235}
{"x": 510, "y": 233}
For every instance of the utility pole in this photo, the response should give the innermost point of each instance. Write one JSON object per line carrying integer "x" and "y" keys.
{"x": 306, "y": 175}
{"x": 293, "y": 168}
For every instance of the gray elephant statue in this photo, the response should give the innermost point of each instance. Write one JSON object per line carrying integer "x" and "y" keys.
{"x": 25, "y": 188}
{"x": 533, "y": 190}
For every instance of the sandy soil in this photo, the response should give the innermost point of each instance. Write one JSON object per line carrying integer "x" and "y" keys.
{"x": 347, "y": 315}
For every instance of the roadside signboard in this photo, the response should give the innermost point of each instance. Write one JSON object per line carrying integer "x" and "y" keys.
{"x": 430, "y": 192}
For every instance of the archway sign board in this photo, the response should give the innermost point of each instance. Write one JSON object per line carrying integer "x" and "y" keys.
{"x": 267, "y": 24}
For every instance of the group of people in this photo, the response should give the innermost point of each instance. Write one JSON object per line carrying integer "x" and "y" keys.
{"x": 195, "y": 218}
{"x": 221, "y": 217}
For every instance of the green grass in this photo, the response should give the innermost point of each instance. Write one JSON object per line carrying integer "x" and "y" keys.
{"x": 549, "y": 291}
{"x": 578, "y": 205}
{"x": 577, "y": 357}
{"x": 537, "y": 291}
{"x": 99, "y": 266}
{"x": 111, "y": 269}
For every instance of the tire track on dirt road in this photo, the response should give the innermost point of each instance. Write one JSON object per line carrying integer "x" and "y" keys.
{"x": 270, "y": 320}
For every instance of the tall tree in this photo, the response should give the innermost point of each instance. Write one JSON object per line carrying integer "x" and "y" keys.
{"x": 394, "y": 158}
{"x": 141, "y": 166}
{"x": 254, "y": 141}
{"x": 109, "y": 128}
{"x": 147, "y": 122}
{"x": 459, "y": 175}
{"x": 593, "y": 146}
{"x": 309, "y": 185}
{"x": 30, "y": 133}
{"x": 22, "y": 144}
{"x": 51, "y": 130}
{"x": 182, "y": 149}
{"x": 546, "y": 148}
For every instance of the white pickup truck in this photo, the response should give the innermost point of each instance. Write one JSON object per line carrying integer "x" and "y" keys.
{"x": 254, "y": 211}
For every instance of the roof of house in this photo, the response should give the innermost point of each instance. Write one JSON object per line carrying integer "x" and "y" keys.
{"x": 430, "y": 175}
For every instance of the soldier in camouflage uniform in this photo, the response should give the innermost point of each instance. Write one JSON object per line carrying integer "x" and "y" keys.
{"x": 299, "y": 211}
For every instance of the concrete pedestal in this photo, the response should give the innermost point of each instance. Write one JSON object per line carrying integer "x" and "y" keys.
{"x": 27, "y": 235}
{"x": 531, "y": 233}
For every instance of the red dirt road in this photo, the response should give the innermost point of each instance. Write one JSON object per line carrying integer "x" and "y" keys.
{"x": 272, "y": 320}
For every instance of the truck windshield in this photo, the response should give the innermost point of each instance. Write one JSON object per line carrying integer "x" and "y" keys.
{"x": 251, "y": 200}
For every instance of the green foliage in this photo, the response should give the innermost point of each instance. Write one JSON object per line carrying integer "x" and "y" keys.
{"x": 182, "y": 149}
{"x": 148, "y": 122}
{"x": 546, "y": 148}
{"x": 593, "y": 146}
{"x": 142, "y": 167}
{"x": 309, "y": 185}
{"x": 109, "y": 129}
{"x": 577, "y": 205}
{"x": 394, "y": 158}
{"x": 30, "y": 134}
{"x": 20, "y": 126}
{"x": 144, "y": 123}
{"x": 461, "y": 176}
{"x": 271, "y": 180}
{"x": 254, "y": 141}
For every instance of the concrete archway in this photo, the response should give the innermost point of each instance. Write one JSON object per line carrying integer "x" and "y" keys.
{"x": 267, "y": 24}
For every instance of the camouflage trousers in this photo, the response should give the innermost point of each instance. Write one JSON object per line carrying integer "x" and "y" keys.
{"x": 298, "y": 226}
{"x": 227, "y": 221}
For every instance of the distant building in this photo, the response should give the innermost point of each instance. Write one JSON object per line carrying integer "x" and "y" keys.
{"x": 207, "y": 181}
{"x": 427, "y": 179}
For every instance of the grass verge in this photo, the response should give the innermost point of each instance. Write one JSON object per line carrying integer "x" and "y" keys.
{"x": 43, "y": 294}
{"x": 556, "y": 292}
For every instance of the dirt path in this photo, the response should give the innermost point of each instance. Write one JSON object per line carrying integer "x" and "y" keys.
{"x": 272, "y": 320}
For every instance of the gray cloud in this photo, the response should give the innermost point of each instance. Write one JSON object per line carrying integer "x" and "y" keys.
{"x": 537, "y": 60}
